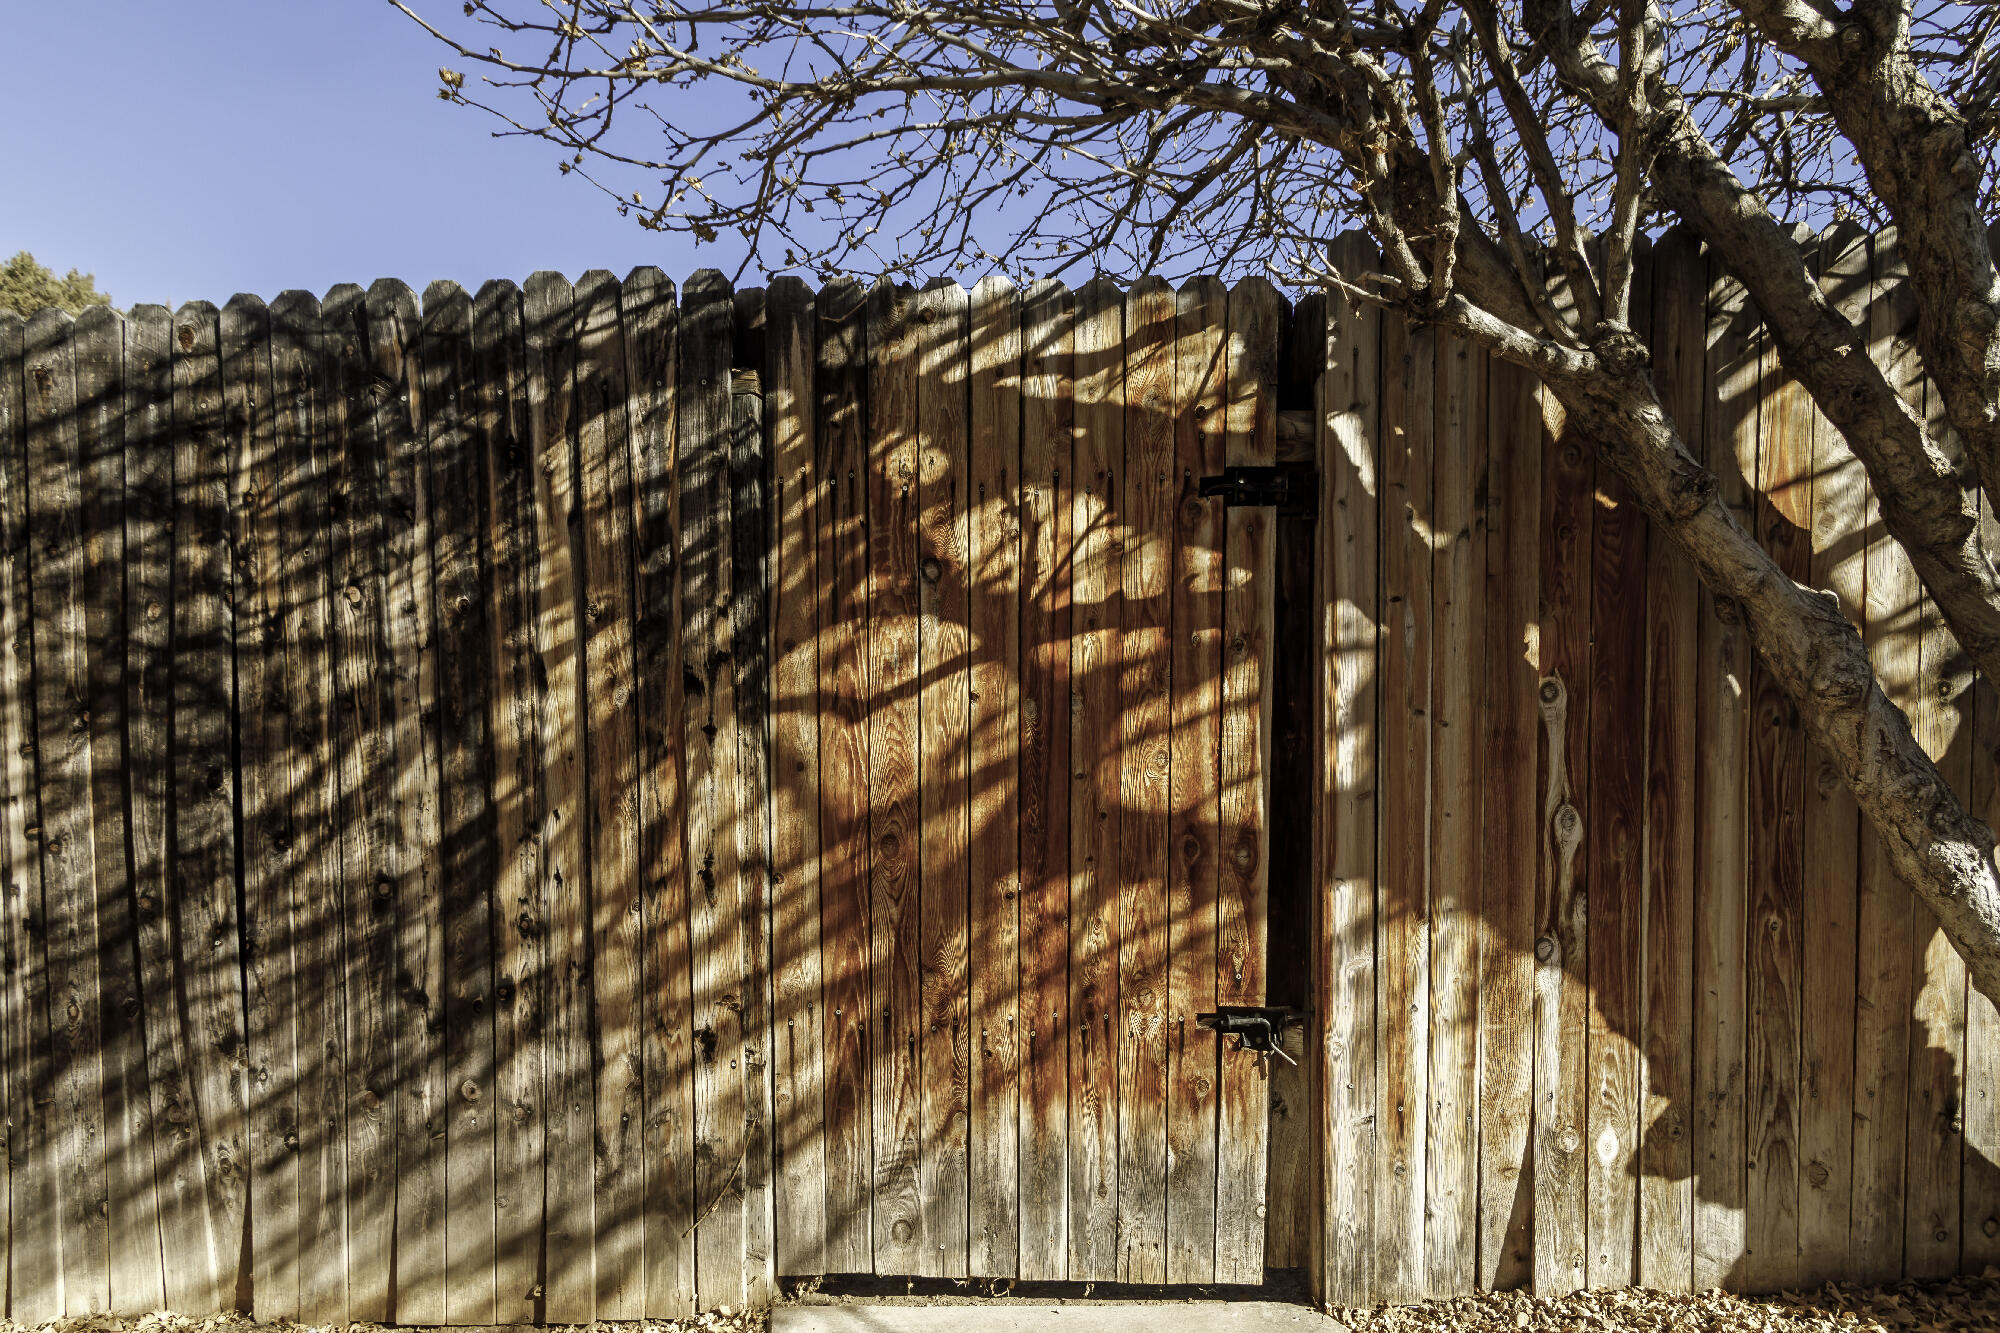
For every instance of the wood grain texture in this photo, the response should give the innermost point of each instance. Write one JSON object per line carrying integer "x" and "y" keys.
{"x": 995, "y": 495}
{"x": 63, "y": 764}
{"x": 34, "y": 1288}
{"x": 1783, "y": 480}
{"x": 894, "y": 943}
{"x": 1458, "y": 675}
{"x": 1145, "y": 707}
{"x": 652, "y": 355}
{"x": 149, "y": 503}
{"x": 1562, "y": 1000}
{"x": 1201, "y": 383}
{"x": 1350, "y": 628}
{"x": 1509, "y": 824}
{"x": 1047, "y": 508}
{"x": 1831, "y": 834}
{"x": 412, "y": 851}
{"x": 1883, "y": 984}
{"x": 363, "y": 778}
{"x": 943, "y": 755}
{"x": 520, "y": 990}
{"x": 797, "y": 1035}
{"x": 465, "y": 825}
{"x": 712, "y": 756}
{"x": 273, "y": 857}
{"x": 1666, "y": 1183}
{"x": 1403, "y": 962}
{"x": 840, "y": 443}
{"x": 306, "y": 831}
{"x": 612, "y": 831}
{"x": 1256, "y": 320}
{"x": 749, "y": 481}
{"x": 1095, "y": 611}
{"x": 569, "y": 1095}
{"x": 1721, "y": 812}
{"x": 133, "y": 1242}
{"x": 202, "y": 872}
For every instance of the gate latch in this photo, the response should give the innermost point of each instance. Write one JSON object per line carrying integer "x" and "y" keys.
{"x": 1255, "y": 1027}
{"x": 1293, "y": 488}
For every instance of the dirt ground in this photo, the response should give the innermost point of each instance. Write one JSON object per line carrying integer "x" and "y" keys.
{"x": 1958, "y": 1305}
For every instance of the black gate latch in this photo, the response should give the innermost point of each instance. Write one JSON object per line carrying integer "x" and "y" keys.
{"x": 1255, "y": 1027}
{"x": 1292, "y": 487}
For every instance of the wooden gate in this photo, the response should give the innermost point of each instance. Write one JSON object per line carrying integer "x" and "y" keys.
{"x": 1021, "y": 733}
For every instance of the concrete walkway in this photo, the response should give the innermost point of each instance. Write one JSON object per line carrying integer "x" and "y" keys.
{"x": 1032, "y": 1317}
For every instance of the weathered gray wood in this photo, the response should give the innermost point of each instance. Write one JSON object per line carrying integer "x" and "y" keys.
{"x": 605, "y": 490}
{"x": 570, "y": 1289}
{"x": 272, "y": 857}
{"x": 63, "y": 762}
{"x": 394, "y": 350}
{"x": 519, "y": 904}
{"x": 465, "y": 825}
{"x": 667, "y": 1050}
{"x": 306, "y": 834}
{"x": 362, "y": 707}
{"x": 202, "y": 872}
{"x": 750, "y": 639}
{"x": 179, "y": 1167}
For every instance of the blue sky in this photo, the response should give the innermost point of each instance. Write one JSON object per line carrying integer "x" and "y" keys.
{"x": 197, "y": 148}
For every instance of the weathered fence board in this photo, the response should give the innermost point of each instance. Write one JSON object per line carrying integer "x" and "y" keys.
{"x": 730, "y": 785}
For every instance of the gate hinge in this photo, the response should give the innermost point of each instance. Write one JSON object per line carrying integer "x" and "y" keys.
{"x": 1255, "y": 1027}
{"x": 1292, "y": 487}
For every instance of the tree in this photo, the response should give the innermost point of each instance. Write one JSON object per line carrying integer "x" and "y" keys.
{"x": 1506, "y": 157}
{"x": 26, "y": 286}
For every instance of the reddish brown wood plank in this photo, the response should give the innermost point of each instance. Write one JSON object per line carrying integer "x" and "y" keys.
{"x": 1722, "y": 868}
{"x": 797, "y": 1036}
{"x": 1509, "y": 822}
{"x": 1200, "y": 389}
{"x": 1047, "y": 507}
{"x": 994, "y": 496}
{"x": 1145, "y": 703}
{"x": 1256, "y": 321}
{"x": 943, "y": 754}
{"x": 604, "y": 485}
{"x": 1402, "y": 967}
{"x": 652, "y": 354}
{"x": 840, "y": 441}
{"x": 1666, "y": 1193}
{"x": 1349, "y": 619}
{"x": 711, "y": 755}
{"x": 411, "y": 852}
{"x": 1093, "y": 800}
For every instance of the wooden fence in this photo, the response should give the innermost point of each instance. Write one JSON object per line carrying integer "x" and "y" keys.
{"x": 573, "y": 804}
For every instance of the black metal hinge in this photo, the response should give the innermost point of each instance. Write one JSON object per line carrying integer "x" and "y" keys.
{"x": 1292, "y": 488}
